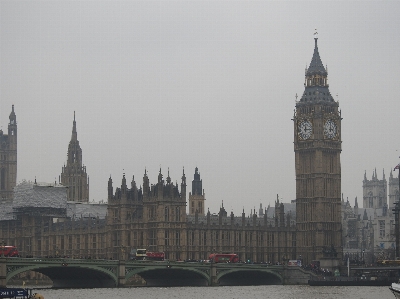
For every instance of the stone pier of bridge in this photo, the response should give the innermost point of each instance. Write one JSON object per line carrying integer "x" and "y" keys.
{"x": 3, "y": 272}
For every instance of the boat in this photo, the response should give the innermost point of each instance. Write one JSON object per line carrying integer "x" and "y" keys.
{"x": 15, "y": 293}
{"x": 395, "y": 288}
{"x": 351, "y": 281}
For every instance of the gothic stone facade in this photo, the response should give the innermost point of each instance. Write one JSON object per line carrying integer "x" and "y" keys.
{"x": 317, "y": 146}
{"x": 369, "y": 232}
{"x": 8, "y": 159}
{"x": 74, "y": 174}
{"x": 152, "y": 217}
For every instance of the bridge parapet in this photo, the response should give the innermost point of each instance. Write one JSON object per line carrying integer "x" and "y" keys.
{"x": 67, "y": 272}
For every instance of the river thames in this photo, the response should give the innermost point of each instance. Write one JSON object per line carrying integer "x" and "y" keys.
{"x": 238, "y": 292}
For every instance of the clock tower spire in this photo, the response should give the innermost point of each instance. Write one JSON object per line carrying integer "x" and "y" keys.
{"x": 317, "y": 147}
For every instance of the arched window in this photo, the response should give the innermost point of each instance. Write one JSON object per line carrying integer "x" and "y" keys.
{"x": 2, "y": 179}
{"x": 371, "y": 200}
{"x": 166, "y": 214}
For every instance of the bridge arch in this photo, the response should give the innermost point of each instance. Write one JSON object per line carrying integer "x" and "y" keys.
{"x": 171, "y": 275}
{"x": 248, "y": 276}
{"x": 73, "y": 275}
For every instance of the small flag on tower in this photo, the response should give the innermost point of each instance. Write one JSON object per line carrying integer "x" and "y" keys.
{"x": 397, "y": 166}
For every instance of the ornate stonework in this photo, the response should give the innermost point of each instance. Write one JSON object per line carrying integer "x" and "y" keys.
{"x": 317, "y": 146}
{"x": 8, "y": 159}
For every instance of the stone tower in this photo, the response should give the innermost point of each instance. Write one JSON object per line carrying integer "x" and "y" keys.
{"x": 197, "y": 196}
{"x": 124, "y": 208}
{"x": 164, "y": 215}
{"x": 374, "y": 191}
{"x": 8, "y": 159}
{"x": 393, "y": 190}
{"x": 317, "y": 146}
{"x": 74, "y": 174}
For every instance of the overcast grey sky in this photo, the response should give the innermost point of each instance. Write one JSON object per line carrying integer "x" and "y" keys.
{"x": 193, "y": 83}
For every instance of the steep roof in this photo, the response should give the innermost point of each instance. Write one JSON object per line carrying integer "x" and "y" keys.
{"x": 316, "y": 66}
{"x": 316, "y": 86}
{"x": 29, "y": 196}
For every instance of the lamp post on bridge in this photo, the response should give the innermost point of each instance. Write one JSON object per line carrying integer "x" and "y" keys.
{"x": 122, "y": 252}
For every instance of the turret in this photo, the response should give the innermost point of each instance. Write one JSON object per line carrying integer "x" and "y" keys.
{"x": 110, "y": 189}
{"x": 183, "y": 186}
{"x": 123, "y": 185}
{"x": 8, "y": 161}
{"x": 146, "y": 187}
{"x": 197, "y": 196}
{"x": 74, "y": 174}
{"x": 12, "y": 126}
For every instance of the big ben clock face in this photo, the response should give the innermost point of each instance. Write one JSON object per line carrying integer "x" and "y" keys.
{"x": 304, "y": 129}
{"x": 330, "y": 129}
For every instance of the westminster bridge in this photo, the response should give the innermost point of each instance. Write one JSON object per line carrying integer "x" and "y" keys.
{"x": 90, "y": 273}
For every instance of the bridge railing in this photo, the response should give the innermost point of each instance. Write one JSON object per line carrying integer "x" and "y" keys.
{"x": 61, "y": 260}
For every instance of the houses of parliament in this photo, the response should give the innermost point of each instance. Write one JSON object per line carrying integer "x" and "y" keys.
{"x": 57, "y": 219}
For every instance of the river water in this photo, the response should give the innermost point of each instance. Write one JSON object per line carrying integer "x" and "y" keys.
{"x": 236, "y": 292}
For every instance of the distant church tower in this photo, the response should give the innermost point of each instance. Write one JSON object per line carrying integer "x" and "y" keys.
{"x": 73, "y": 174}
{"x": 8, "y": 159}
{"x": 374, "y": 191}
{"x": 317, "y": 146}
{"x": 197, "y": 196}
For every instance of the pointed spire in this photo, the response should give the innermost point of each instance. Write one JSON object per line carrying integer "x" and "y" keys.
{"x": 160, "y": 176}
{"x": 12, "y": 115}
{"x": 183, "y": 177}
{"x": 316, "y": 65}
{"x": 169, "y": 179}
{"x": 74, "y": 136}
{"x": 316, "y": 82}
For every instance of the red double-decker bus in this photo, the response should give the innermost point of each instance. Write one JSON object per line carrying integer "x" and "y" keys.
{"x": 144, "y": 255}
{"x": 155, "y": 256}
{"x": 9, "y": 251}
{"x": 223, "y": 258}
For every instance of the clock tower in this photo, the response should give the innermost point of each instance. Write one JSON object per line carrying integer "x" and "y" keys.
{"x": 317, "y": 147}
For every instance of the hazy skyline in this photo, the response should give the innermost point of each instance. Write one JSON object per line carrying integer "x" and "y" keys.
{"x": 212, "y": 85}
